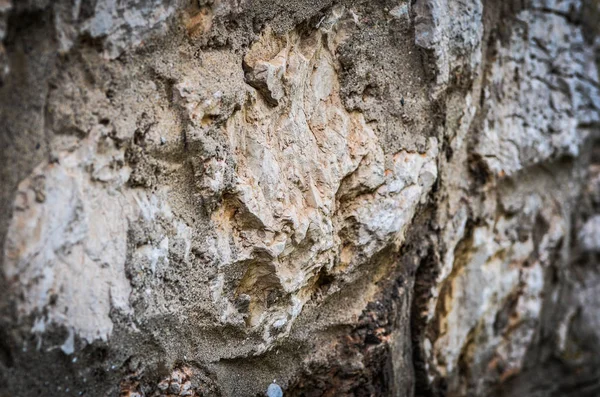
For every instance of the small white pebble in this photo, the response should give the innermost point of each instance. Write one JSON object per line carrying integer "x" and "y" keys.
{"x": 274, "y": 390}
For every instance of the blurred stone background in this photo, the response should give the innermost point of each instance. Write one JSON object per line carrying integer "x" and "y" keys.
{"x": 351, "y": 198}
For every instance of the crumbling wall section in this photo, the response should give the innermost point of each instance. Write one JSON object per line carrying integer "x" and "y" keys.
{"x": 351, "y": 198}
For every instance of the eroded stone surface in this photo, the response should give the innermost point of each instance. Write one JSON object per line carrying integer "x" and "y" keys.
{"x": 552, "y": 98}
{"x": 363, "y": 198}
{"x": 67, "y": 243}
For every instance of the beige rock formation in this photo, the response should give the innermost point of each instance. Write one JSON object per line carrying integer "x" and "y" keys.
{"x": 353, "y": 198}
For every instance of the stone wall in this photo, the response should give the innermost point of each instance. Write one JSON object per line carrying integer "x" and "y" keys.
{"x": 350, "y": 198}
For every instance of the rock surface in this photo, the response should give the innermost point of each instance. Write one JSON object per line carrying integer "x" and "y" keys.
{"x": 388, "y": 198}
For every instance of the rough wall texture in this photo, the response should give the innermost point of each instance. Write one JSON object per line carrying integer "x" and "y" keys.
{"x": 355, "y": 198}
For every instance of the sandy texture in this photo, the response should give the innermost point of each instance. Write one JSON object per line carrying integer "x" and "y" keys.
{"x": 354, "y": 198}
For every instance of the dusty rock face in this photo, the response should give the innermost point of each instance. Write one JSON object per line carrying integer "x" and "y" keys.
{"x": 349, "y": 198}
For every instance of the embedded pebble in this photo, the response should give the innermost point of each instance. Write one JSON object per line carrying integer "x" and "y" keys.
{"x": 274, "y": 390}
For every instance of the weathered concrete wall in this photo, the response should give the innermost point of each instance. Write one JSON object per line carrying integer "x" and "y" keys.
{"x": 353, "y": 198}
